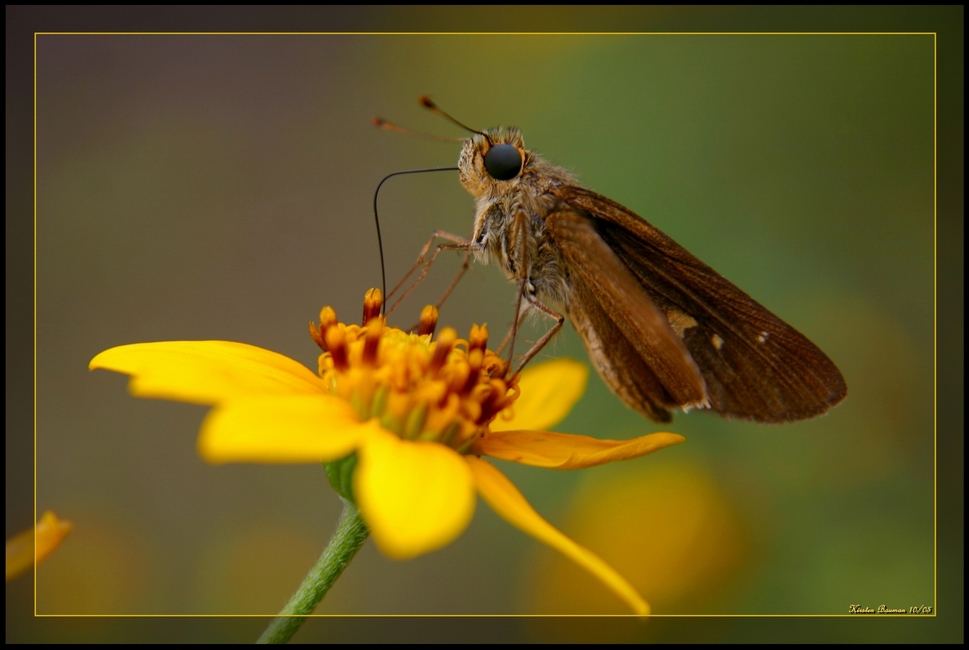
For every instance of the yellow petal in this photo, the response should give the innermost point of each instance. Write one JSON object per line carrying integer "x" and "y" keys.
{"x": 50, "y": 532}
{"x": 505, "y": 499}
{"x": 567, "y": 451}
{"x": 206, "y": 372}
{"x": 415, "y": 496}
{"x": 280, "y": 429}
{"x": 549, "y": 390}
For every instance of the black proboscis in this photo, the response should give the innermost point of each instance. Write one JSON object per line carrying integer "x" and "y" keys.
{"x": 380, "y": 241}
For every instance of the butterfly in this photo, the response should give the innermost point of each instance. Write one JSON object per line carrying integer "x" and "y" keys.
{"x": 664, "y": 330}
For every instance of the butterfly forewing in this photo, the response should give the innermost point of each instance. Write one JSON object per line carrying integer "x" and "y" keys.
{"x": 620, "y": 323}
{"x": 755, "y": 366}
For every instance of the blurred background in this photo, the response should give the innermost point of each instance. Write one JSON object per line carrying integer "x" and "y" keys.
{"x": 221, "y": 187}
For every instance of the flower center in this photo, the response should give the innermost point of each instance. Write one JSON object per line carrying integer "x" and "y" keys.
{"x": 442, "y": 389}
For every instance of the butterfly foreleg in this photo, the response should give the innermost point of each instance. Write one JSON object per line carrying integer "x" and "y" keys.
{"x": 424, "y": 263}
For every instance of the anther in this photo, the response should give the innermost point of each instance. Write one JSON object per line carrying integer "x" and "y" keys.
{"x": 327, "y": 319}
{"x": 372, "y": 302}
{"x": 372, "y": 339}
{"x": 445, "y": 343}
{"x": 478, "y": 340}
{"x": 494, "y": 402}
{"x": 494, "y": 366}
{"x": 428, "y": 320}
{"x": 475, "y": 359}
{"x": 336, "y": 342}
{"x": 317, "y": 336}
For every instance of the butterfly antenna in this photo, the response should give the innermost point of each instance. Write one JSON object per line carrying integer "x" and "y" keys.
{"x": 381, "y": 123}
{"x": 428, "y": 103}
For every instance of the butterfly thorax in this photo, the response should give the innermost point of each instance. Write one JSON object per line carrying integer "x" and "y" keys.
{"x": 509, "y": 223}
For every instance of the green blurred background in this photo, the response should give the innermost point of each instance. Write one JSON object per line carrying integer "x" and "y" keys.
{"x": 220, "y": 187}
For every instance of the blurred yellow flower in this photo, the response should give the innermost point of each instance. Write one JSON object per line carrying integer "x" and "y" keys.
{"x": 417, "y": 411}
{"x": 682, "y": 563}
{"x": 50, "y": 532}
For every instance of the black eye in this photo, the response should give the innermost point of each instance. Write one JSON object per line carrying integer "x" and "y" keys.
{"x": 503, "y": 162}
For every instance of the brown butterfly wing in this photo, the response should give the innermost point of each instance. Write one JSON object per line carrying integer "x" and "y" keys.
{"x": 617, "y": 361}
{"x": 628, "y": 337}
{"x": 755, "y": 366}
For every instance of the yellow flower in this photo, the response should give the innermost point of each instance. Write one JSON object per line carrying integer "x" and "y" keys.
{"x": 21, "y": 548}
{"x": 417, "y": 411}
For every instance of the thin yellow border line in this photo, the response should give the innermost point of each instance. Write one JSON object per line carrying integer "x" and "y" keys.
{"x": 483, "y": 33}
{"x": 935, "y": 381}
{"x": 871, "y": 615}
{"x": 935, "y": 322}
{"x": 34, "y": 522}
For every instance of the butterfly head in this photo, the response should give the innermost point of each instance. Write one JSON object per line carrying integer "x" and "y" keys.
{"x": 492, "y": 158}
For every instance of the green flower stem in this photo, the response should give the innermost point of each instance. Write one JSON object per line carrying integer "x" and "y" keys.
{"x": 350, "y": 535}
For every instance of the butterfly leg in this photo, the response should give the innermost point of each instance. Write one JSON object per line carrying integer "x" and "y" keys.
{"x": 447, "y": 292}
{"x": 505, "y": 341}
{"x": 516, "y": 262}
{"x": 542, "y": 342}
{"x": 465, "y": 265}
{"x": 520, "y": 237}
{"x": 424, "y": 263}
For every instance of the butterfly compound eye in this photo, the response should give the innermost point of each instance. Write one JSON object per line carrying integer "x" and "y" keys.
{"x": 503, "y": 162}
